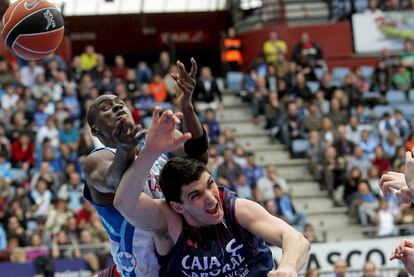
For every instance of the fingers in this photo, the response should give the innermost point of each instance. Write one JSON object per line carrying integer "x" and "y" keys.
{"x": 182, "y": 139}
{"x": 193, "y": 71}
{"x": 409, "y": 155}
{"x": 156, "y": 114}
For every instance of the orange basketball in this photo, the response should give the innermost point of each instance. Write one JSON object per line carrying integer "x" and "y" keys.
{"x": 32, "y": 29}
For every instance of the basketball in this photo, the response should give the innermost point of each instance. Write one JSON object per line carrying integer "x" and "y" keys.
{"x": 32, "y": 29}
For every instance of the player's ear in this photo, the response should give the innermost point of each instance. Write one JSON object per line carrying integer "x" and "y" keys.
{"x": 176, "y": 207}
{"x": 94, "y": 130}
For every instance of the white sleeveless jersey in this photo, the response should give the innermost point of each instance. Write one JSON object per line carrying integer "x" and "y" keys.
{"x": 132, "y": 249}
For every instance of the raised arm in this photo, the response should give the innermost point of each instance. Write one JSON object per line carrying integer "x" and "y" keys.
{"x": 258, "y": 221}
{"x": 196, "y": 147}
{"x": 140, "y": 209}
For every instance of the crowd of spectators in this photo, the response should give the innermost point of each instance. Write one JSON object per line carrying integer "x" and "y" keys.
{"x": 349, "y": 143}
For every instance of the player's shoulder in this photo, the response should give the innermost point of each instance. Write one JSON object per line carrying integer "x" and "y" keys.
{"x": 96, "y": 158}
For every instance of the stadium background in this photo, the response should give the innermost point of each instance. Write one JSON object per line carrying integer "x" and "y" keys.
{"x": 332, "y": 97}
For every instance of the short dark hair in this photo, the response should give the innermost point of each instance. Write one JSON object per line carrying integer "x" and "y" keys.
{"x": 178, "y": 172}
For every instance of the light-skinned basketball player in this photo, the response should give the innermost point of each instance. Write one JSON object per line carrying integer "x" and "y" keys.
{"x": 402, "y": 186}
{"x": 200, "y": 229}
{"x": 111, "y": 121}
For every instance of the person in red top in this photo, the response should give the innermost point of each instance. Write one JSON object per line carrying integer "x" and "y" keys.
{"x": 22, "y": 152}
{"x": 158, "y": 89}
{"x": 307, "y": 53}
{"x": 119, "y": 71}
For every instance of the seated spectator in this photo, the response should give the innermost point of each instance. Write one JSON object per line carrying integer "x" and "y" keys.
{"x": 381, "y": 79}
{"x": 58, "y": 216}
{"x": 401, "y": 80}
{"x": 273, "y": 111}
{"x": 326, "y": 86}
{"x": 344, "y": 147}
{"x": 400, "y": 125}
{"x": 5, "y": 167}
{"x": 163, "y": 64}
{"x": 62, "y": 247}
{"x": 315, "y": 154}
{"x": 36, "y": 248}
{"x": 365, "y": 204}
{"x": 381, "y": 163}
{"x": 360, "y": 114}
{"x": 292, "y": 127}
{"x": 282, "y": 67}
{"x": 367, "y": 143}
{"x": 287, "y": 211}
{"x": 351, "y": 89}
{"x": 46, "y": 173}
{"x": 120, "y": 70}
{"x": 69, "y": 134}
{"x": 242, "y": 187}
{"x": 30, "y": 72}
{"x": 333, "y": 169}
{"x": 42, "y": 87}
{"x": 157, "y": 89}
{"x": 14, "y": 229}
{"x": 240, "y": 155}
{"x": 214, "y": 159}
{"x": 390, "y": 146}
{"x": 72, "y": 192}
{"x": 307, "y": 53}
{"x": 370, "y": 269}
{"x": 406, "y": 217}
{"x": 353, "y": 178}
{"x": 321, "y": 102}
{"x": 407, "y": 56}
{"x": 300, "y": 89}
{"x": 252, "y": 170}
{"x": 373, "y": 9}
{"x": 42, "y": 198}
{"x": 88, "y": 59}
{"x": 313, "y": 118}
{"x": 273, "y": 47}
{"x": 71, "y": 101}
{"x": 9, "y": 100}
{"x": 266, "y": 183}
{"x": 327, "y": 131}
{"x": 143, "y": 73}
{"x": 207, "y": 93}
{"x": 259, "y": 98}
{"x": 337, "y": 114}
{"x": 313, "y": 272}
{"x": 309, "y": 233}
{"x": 228, "y": 171}
{"x": 385, "y": 220}
{"x": 213, "y": 125}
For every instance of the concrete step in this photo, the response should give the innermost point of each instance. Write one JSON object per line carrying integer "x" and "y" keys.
{"x": 253, "y": 141}
{"x": 236, "y": 112}
{"x": 322, "y": 220}
{"x": 245, "y": 129}
{"x": 230, "y": 101}
{"x": 305, "y": 189}
{"x": 247, "y": 117}
{"x": 289, "y": 172}
{"x": 344, "y": 235}
{"x": 255, "y": 147}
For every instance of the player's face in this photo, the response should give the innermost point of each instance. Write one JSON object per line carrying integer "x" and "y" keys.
{"x": 201, "y": 202}
{"x": 110, "y": 109}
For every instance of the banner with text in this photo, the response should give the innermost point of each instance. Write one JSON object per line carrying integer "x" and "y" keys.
{"x": 356, "y": 253}
{"x": 373, "y": 32}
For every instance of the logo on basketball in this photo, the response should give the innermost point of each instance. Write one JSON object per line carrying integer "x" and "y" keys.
{"x": 29, "y": 6}
{"x": 126, "y": 261}
{"x": 50, "y": 19}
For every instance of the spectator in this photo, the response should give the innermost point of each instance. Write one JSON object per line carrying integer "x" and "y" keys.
{"x": 162, "y": 66}
{"x": 401, "y": 80}
{"x": 231, "y": 51}
{"x": 62, "y": 247}
{"x": 326, "y": 86}
{"x": 252, "y": 170}
{"x": 273, "y": 48}
{"x": 292, "y": 127}
{"x": 58, "y": 216}
{"x": 381, "y": 77}
{"x": 287, "y": 211}
{"x": 332, "y": 171}
{"x": 337, "y": 114}
{"x": 42, "y": 87}
{"x": 242, "y": 187}
{"x": 380, "y": 162}
{"x": 315, "y": 154}
{"x": 213, "y": 125}
{"x": 143, "y": 73}
{"x": 365, "y": 204}
{"x": 373, "y": 9}
{"x": 340, "y": 268}
{"x": 30, "y": 72}
{"x": 42, "y": 198}
{"x": 344, "y": 147}
{"x": 120, "y": 70}
{"x": 207, "y": 93}
{"x": 6, "y": 78}
{"x": 259, "y": 98}
{"x": 273, "y": 111}
{"x": 307, "y": 53}
{"x": 367, "y": 144}
{"x": 266, "y": 183}
{"x": 309, "y": 233}
{"x": 5, "y": 166}
{"x": 400, "y": 125}
{"x": 228, "y": 171}
{"x": 370, "y": 269}
{"x": 385, "y": 220}
{"x": 72, "y": 192}
{"x": 69, "y": 134}
{"x": 214, "y": 159}
{"x": 313, "y": 272}
{"x": 157, "y": 89}
{"x": 88, "y": 59}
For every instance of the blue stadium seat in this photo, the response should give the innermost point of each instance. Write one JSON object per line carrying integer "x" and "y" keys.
{"x": 407, "y": 110}
{"x": 313, "y": 86}
{"x": 395, "y": 97}
{"x": 338, "y": 74}
{"x": 319, "y": 72}
{"x": 234, "y": 81}
{"x": 367, "y": 71}
{"x": 299, "y": 147}
{"x": 380, "y": 110}
{"x": 411, "y": 96}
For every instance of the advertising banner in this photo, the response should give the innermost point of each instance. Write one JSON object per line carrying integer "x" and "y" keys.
{"x": 373, "y": 32}
{"x": 356, "y": 253}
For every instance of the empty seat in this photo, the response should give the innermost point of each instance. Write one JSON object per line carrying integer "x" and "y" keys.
{"x": 395, "y": 97}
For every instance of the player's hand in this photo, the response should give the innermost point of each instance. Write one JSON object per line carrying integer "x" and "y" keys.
{"x": 185, "y": 83}
{"x": 282, "y": 272}
{"x": 161, "y": 136}
{"x": 396, "y": 180}
{"x": 409, "y": 169}
{"x": 126, "y": 134}
{"x": 405, "y": 253}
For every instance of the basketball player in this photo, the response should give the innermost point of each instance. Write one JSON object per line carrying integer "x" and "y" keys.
{"x": 402, "y": 185}
{"x": 200, "y": 229}
{"x": 111, "y": 121}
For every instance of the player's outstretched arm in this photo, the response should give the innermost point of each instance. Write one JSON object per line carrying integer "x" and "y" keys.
{"x": 140, "y": 209}
{"x": 404, "y": 252}
{"x": 258, "y": 221}
{"x": 197, "y": 147}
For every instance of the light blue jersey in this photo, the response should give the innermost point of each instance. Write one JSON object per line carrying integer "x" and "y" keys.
{"x": 132, "y": 249}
